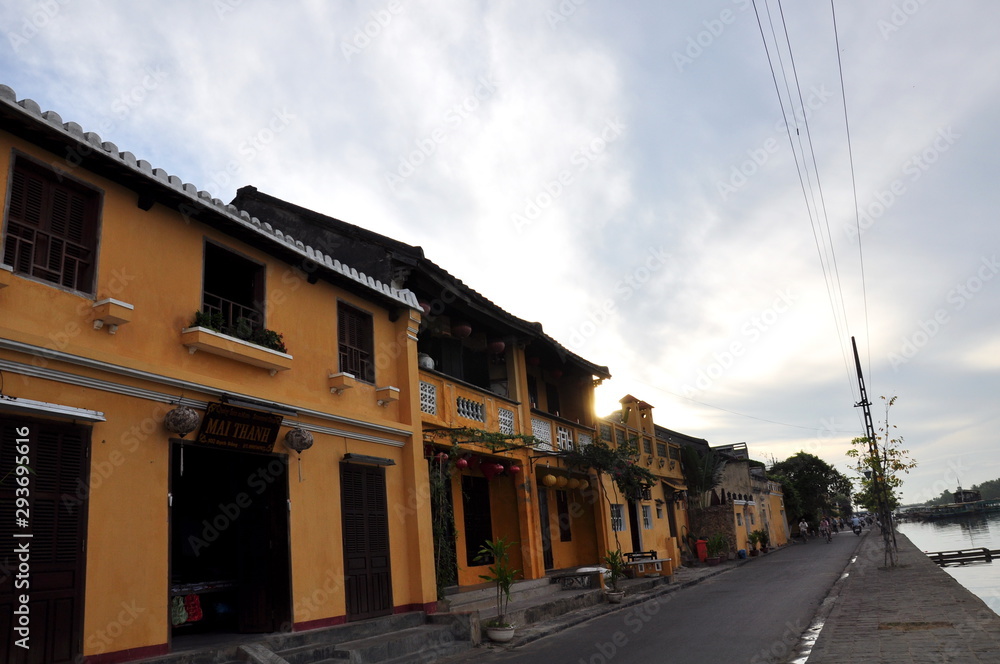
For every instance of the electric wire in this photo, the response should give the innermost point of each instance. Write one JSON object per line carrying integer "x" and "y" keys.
{"x": 799, "y": 168}
{"x": 854, "y": 188}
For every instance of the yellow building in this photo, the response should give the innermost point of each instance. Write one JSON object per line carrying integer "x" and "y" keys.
{"x": 128, "y": 297}
{"x": 658, "y": 520}
{"x": 499, "y": 401}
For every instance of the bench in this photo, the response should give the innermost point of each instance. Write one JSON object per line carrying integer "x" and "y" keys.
{"x": 582, "y": 579}
{"x": 646, "y": 563}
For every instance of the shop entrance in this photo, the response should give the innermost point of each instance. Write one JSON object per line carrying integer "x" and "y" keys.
{"x": 229, "y": 552}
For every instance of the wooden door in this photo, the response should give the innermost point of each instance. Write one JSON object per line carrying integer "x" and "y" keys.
{"x": 54, "y": 505}
{"x": 367, "y": 576}
{"x": 543, "y": 518}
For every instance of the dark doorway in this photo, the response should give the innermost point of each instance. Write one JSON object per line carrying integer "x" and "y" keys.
{"x": 478, "y": 519}
{"x": 55, "y": 514}
{"x": 229, "y": 553}
{"x": 367, "y": 574}
{"x": 543, "y": 517}
{"x": 633, "y": 525}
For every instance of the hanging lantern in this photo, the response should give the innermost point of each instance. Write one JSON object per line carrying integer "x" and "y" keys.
{"x": 489, "y": 470}
{"x": 298, "y": 440}
{"x": 461, "y": 330}
{"x": 496, "y": 346}
{"x": 441, "y": 457}
{"x": 425, "y": 307}
{"x": 573, "y": 484}
{"x": 549, "y": 480}
{"x": 462, "y": 464}
{"x": 583, "y": 485}
{"x": 181, "y": 420}
{"x": 514, "y": 470}
{"x": 561, "y": 482}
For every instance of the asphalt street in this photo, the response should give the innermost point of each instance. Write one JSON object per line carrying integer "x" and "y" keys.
{"x": 753, "y": 614}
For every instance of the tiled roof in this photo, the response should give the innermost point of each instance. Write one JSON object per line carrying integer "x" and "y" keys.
{"x": 89, "y": 143}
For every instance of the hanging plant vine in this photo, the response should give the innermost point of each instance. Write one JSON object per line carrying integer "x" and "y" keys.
{"x": 619, "y": 462}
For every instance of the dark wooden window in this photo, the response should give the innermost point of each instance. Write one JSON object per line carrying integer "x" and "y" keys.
{"x": 51, "y": 227}
{"x": 562, "y": 506}
{"x": 356, "y": 341}
{"x": 552, "y": 399}
{"x": 647, "y": 446}
{"x": 234, "y": 290}
{"x": 661, "y": 449}
{"x": 606, "y": 432}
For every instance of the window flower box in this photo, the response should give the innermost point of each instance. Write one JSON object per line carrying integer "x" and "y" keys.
{"x": 209, "y": 341}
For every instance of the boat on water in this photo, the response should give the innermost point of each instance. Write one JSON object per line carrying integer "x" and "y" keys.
{"x": 967, "y": 502}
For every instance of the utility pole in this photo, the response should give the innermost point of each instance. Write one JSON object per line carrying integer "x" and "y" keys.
{"x": 879, "y": 485}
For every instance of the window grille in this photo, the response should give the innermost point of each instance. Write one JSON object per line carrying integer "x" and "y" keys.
{"x": 618, "y": 518}
{"x": 542, "y": 430}
{"x": 647, "y": 517}
{"x": 505, "y": 418}
{"x": 428, "y": 398}
{"x": 584, "y": 439}
{"x": 564, "y": 437}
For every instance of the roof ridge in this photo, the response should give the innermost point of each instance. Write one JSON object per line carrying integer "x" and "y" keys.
{"x": 202, "y": 197}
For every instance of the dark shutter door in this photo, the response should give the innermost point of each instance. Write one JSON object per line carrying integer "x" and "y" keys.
{"x": 367, "y": 582}
{"x": 56, "y": 520}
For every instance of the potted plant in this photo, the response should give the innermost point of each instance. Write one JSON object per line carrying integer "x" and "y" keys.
{"x": 763, "y": 539}
{"x": 501, "y": 574}
{"x": 754, "y": 539}
{"x": 717, "y": 545}
{"x": 615, "y": 563}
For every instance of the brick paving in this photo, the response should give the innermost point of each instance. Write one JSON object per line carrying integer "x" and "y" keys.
{"x": 913, "y": 613}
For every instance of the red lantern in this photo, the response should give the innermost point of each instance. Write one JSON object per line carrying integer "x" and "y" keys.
{"x": 500, "y": 468}
{"x": 489, "y": 470}
{"x": 462, "y": 464}
{"x": 441, "y": 457}
{"x": 496, "y": 346}
{"x": 514, "y": 470}
{"x": 461, "y": 330}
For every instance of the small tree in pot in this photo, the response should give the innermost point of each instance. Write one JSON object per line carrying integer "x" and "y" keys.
{"x": 717, "y": 546}
{"x": 615, "y": 563}
{"x": 501, "y": 574}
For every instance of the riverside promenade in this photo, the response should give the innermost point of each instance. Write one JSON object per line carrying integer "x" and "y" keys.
{"x": 913, "y": 613}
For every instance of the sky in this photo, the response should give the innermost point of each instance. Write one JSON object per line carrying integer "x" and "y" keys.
{"x": 682, "y": 192}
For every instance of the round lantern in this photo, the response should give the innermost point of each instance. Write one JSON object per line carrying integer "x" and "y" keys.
{"x": 299, "y": 440}
{"x": 441, "y": 457}
{"x": 461, "y": 330}
{"x": 549, "y": 480}
{"x": 181, "y": 420}
{"x": 496, "y": 346}
{"x": 462, "y": 464}
{"x": 489, "y": 470}
{"x": 514, "y": 470}
{"x": 561, "y": 482}
{"x": 573, "y": 484}
{"x": 583, "y": 485}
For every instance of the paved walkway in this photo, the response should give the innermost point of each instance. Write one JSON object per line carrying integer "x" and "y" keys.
{"x": 913, "y": 613}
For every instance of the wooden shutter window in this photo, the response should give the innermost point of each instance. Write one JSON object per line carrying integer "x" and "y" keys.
{"x": 51, "y": 228}
{"x": 355, "y": 342}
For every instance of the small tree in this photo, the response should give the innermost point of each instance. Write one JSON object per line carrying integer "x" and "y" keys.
{"x": 702, "y": 472}
{"x": 501, "y": 574}
{"x": 886, "y": 466}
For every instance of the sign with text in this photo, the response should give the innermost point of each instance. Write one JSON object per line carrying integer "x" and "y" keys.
{"x": 238, "y": 428}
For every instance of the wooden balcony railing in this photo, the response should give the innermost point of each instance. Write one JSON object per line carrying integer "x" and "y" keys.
{"x": 558, "y": 434}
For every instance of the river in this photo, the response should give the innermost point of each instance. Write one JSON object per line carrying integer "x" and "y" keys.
{"x": 968, "y": 532}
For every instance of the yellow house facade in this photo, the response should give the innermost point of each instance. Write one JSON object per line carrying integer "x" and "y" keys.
{"x": 499, "y": 402}
{"x": 129, "y": 301}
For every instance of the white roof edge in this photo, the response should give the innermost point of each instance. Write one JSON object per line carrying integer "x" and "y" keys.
{"x": 94, "y": 143}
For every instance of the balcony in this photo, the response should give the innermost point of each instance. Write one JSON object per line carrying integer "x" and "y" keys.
{"x": 446, "y": 401}
{"x": 558, "y": 434}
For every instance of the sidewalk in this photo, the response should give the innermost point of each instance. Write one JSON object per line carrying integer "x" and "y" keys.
{"x": 913, "y": 613}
